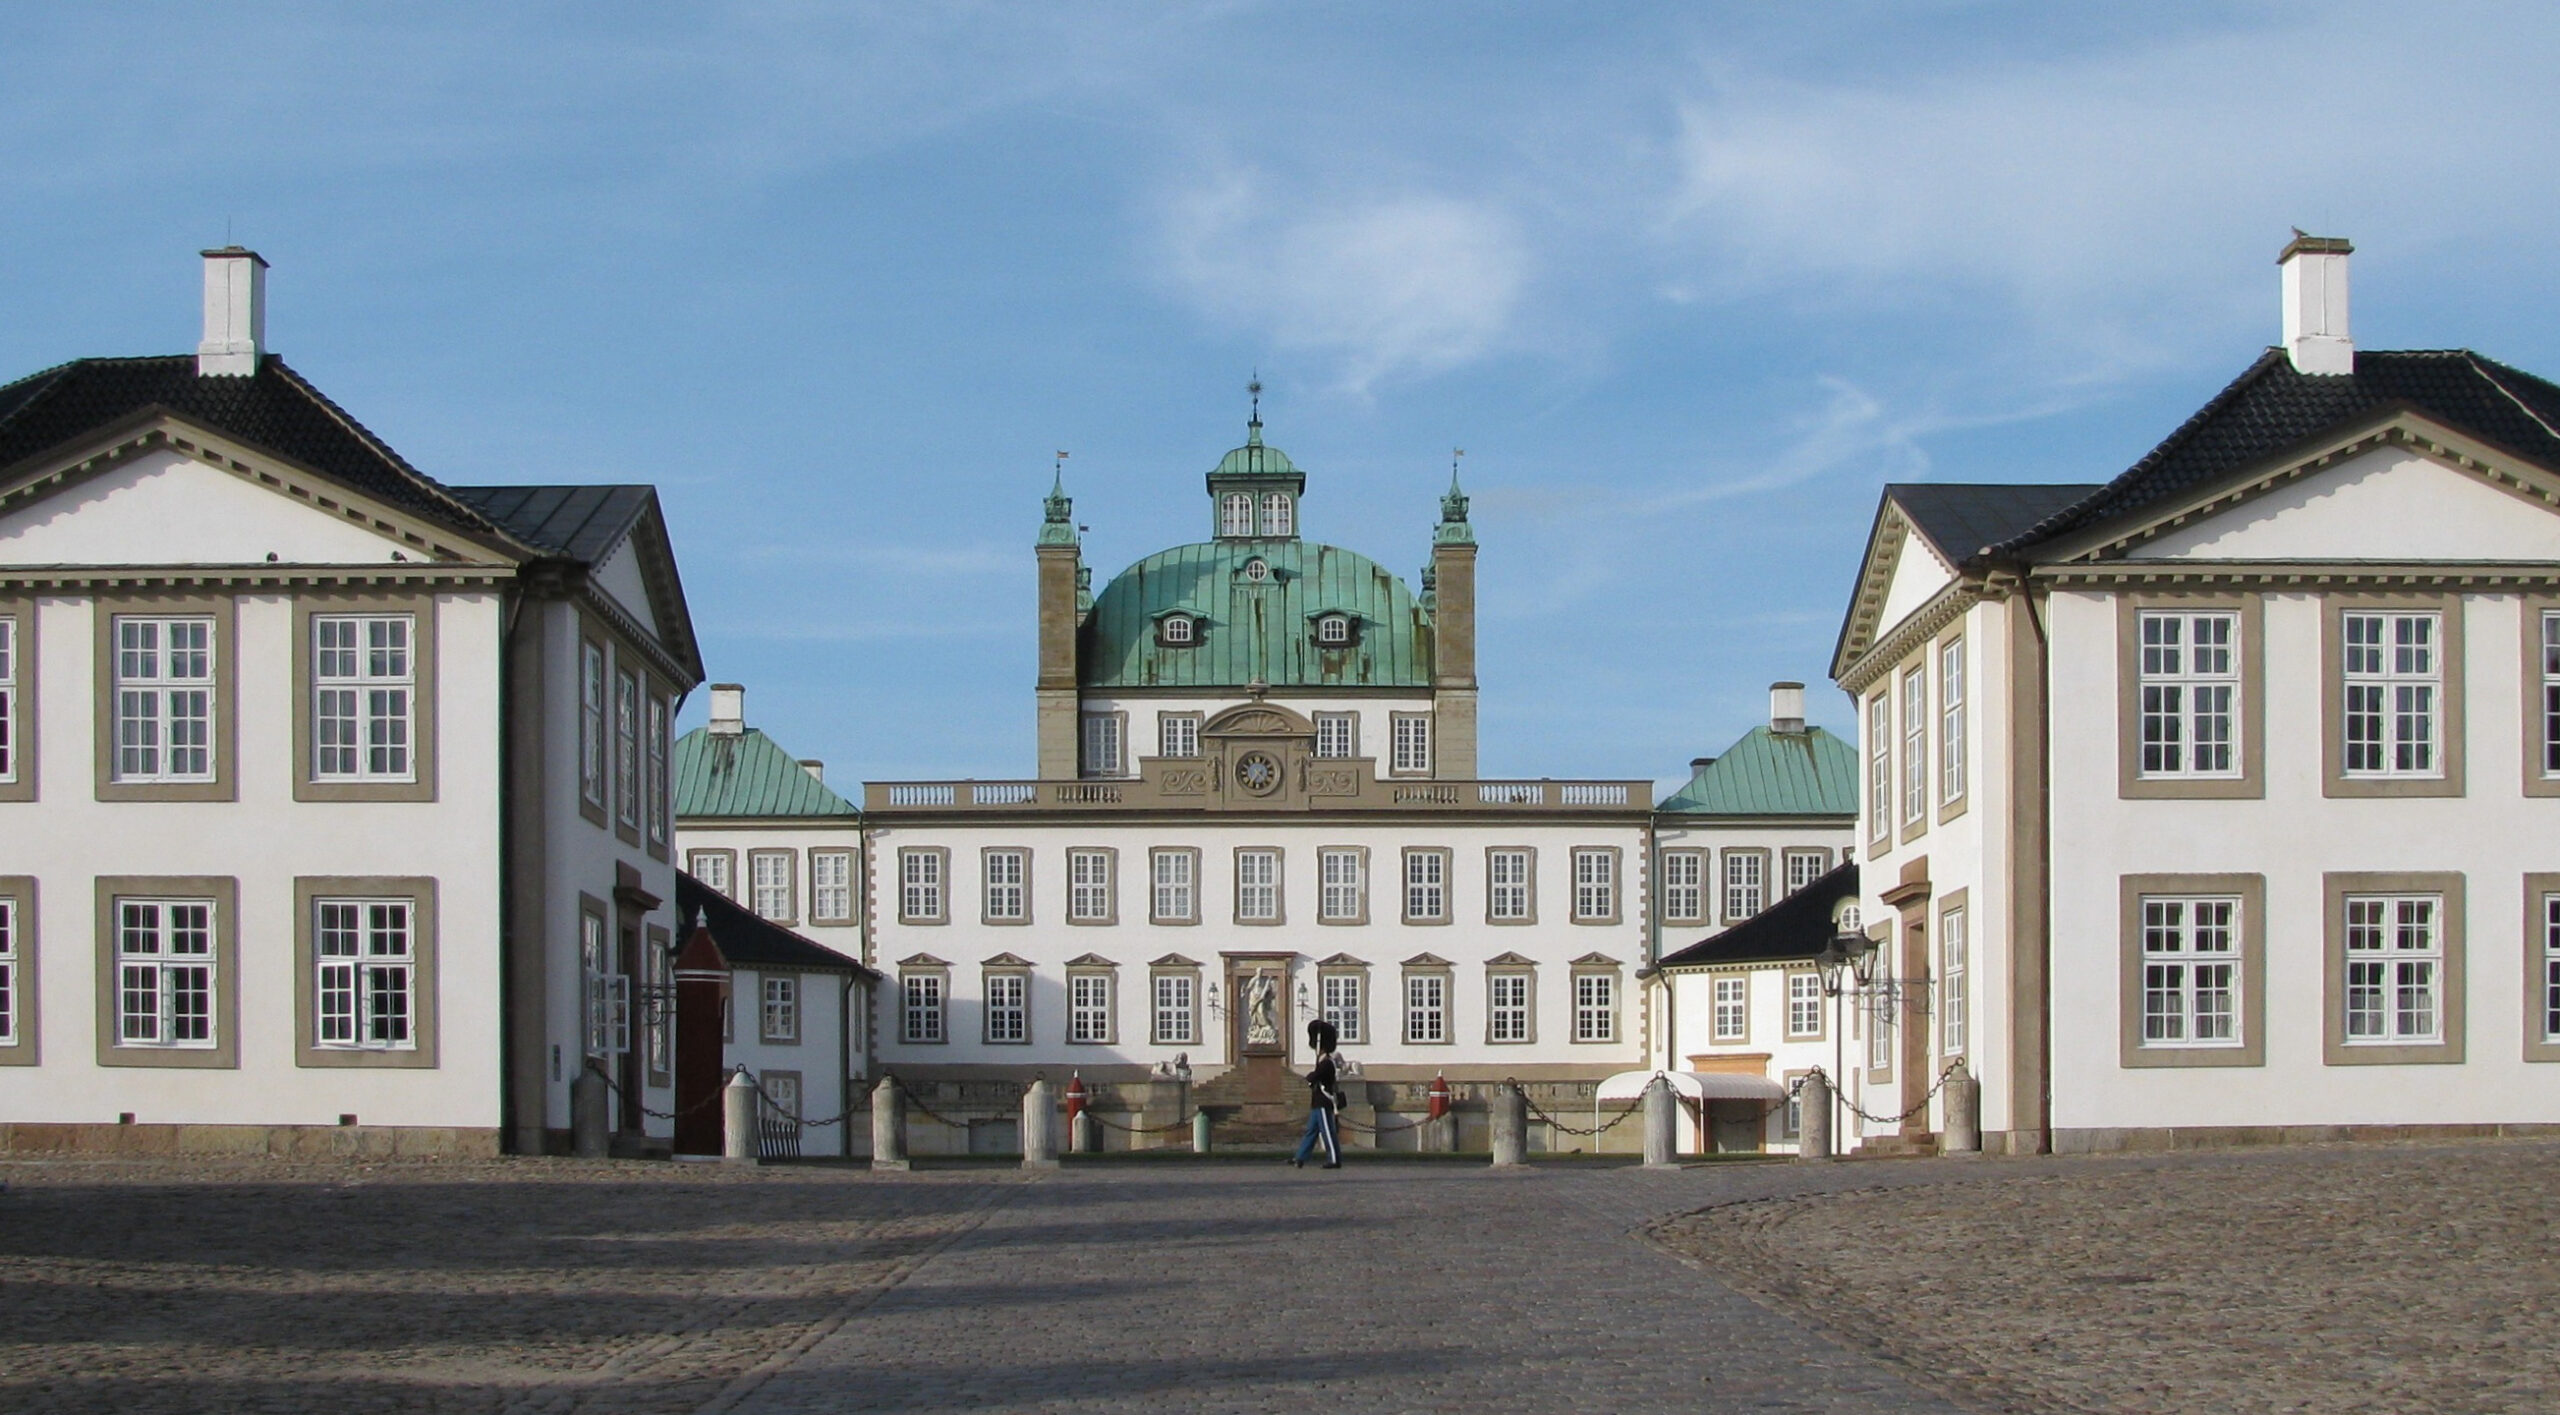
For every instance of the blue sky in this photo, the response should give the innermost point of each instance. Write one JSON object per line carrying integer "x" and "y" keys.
{"x": 1688, "y": 282}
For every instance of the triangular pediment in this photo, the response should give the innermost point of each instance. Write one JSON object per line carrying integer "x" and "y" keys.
{"x": 1511, "y": 960}
{"x": 1427, "y": 960}
{"x": 1091, "y": 960}
{"x": 1890, "y": 576}
{"x": 1175, "y": 960}
{"x": 1597, "y": 959}
{"x": 1006, "y": 960}
{"x": 923, "y": 960}
{"x": 1342, "y": 960}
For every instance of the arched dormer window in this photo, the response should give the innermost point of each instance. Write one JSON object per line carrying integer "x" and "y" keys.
{"x": 1277, "y": 515}
{"x": 1181, "y": 630}
{"x": 1235, "y": 514}
{"x": 1333, "y": 630}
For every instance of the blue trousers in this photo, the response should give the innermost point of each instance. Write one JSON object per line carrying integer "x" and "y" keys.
{"x": 1321, "y": 1125}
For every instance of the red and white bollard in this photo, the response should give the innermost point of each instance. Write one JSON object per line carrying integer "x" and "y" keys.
{"x": 1075, "y": 1113}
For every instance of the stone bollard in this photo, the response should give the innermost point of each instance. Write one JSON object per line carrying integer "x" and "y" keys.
{"x": 1438, "y": 1135}
{"x": 1813, "y": 1130}
{"x": 1964, "y": 1114}
{"x": 1201, "y": 1125}
{"x": 1661, "y": 1125}
{"x": 1510, "y": 1126}
{"x": 738, "y": 1120}
{"x": 589, "y": 1115}
{"x": 1085, "y": 1135}
{"x": 1039, "y": 1127}
{"x": 888, "y": 1125}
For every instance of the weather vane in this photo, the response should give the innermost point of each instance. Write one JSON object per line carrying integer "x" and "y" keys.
{"x": 1255, "y": 388}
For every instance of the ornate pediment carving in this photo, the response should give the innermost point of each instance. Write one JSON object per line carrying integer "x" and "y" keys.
{"x": 1257, "y": 720}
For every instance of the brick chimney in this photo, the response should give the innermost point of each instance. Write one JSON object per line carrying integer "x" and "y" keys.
{"x": 235, "y": 313}
{"x": 2315, "y": 304}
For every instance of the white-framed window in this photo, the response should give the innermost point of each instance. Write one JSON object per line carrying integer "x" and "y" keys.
{"x": 1333, "y": 630}
{"x": 1915, "y": 746}
{"x": 711, "y": 867}
{"x": 608, "y": 991}
{"x": 654, "y": 790}
{"x": 1804, "y": 1006}
{"x": 1342, "y": 1004}
{"x": 1235, "y": 514}
{"x": 920, "y": 884}
{"x": 1731, "y": 1017}
{"x": 1257, "y": 886}
{"x": 164, "y": 699}
{"x": 1746, "y": 887}
{"x": 1951, "y": 706}
{"x": 1342, "y": 892}
{"x": 1007, "y": 884}
{"x": 1089, "y": 1007}
{"x": 1426, "y": 1007}
{"x": 9, "y": 987}
{"x": 1176, "y": 884}
{"x": 2550, "y": 967}
{"x": 1683, "y": 884}
{"x": 8, "y": 699}
{"x": 1880, "y": 1019}
{"x": 1595, "y": 884}
{"x": 1507, "y": 1007}
{"x": 830, "y": 884}
{"x": 2190, "y": 691}
{"x": 769, "y": 883}
{"x": 1102, "y": 744}
{"x": 658, "y": 1029}
{"x": 1506, "y": 884}
{"x": 1880, "y": 765}
{"x": 922, "y": 1009}
{"x": 1426, "y": 884}
{"x": 366, "y": 959}
{"x": 1179, "y": 629}
{"x": 1806, "y": 866}
{"x": 1791, "y": 1115}
{"x": 1952, "y": 947}
{"x": 1175, "y": 1010}
{"x": 1177, "y": 735}
{"x": 780, "y": 1019}
{"x": 1595, "y": 1007}
{"x": 591, "y": 722}
{"x": 2395, "y": 967}
{"x": 362, "y": 696}
{"x": 1276, "y": 517}
{"x": 2190, "y": 972}
{"x": 781, "y": 1103}
{"x": 164, "y": 973}
{"x": 626, "y": 749}
{"x": 1008, "y": 1008}
{"x": 2550, "y": 693}
{"x": 1089, "y": 886}
{"x": 2394, "y": 678}
{"x": 1412, "y": 743}
{"x": 1338, "y": 734}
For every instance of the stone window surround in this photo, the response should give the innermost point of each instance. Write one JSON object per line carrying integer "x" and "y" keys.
{"x": 1878, "y": 767}
{"x": 1122, "y": 769}
{"x": 1168, "y": 968}
{"x": 591, "y": 641}
{"x": 2251, "y": 891}
{"x": 791, "y": 884}
{"x": 766, "y": 1034}
{"x": 1821, "y": 1009}
{"x": 1703, "y": 914}
{"x": 942, "y": 888}
{"x": 1351, "y": 733}
{"x": 1948, "y": 807}
{"x": 224, "y": 891}
{"x": 1617, "y": 995}
{"x": 852, "y": 874}
{"x": 1194, "y": 719}
{"x": 628, "y": 809}
{"x": 728, "y": 857}
{"x": 1716, "y": 983}
{"x": 1913, "y": 825}
{"x": 1156, "y": 854}
{"x": 1724, "y": 883}
{"x": 2537, "y": 1046}
{"x": 1110, "y": 975}
{"x": 1004, "y": 965}
{"x": 1279, "y": 886}
{"x": 1512, "y": 966}
{"x": 1395, "y": 725}
{"x": 657, "y": 943}
{"x": 23, "y": 1047}
{"x": 420, "y": 891}
{"x": 1782, "y": 884}
{"x": 1110, "y": 855}
{"x": 940, "y": 974}
{"x": 2448, "y": 781}
{"x": 421, "y": 609}
{"x": 986, "y": 854}
{"x": 225, "y": 737}
{"x": 657, "y": 769}
{"x": 1957, "y": 902}
{"x": 1617, "y": 856}
{"x": 1447, "y": 975}
{"x": 20, "y": 783}
{"x": 1404, "y": 884}
{"x": 2536, "y": 781}
{"x": 2249, "y": 718}
{"x": 1528, "y": 884}
{"x": 796, "y": 1084}
{"x": 1360, "y": 853}
{"x": 2448, "y": 1049}
{"x": 1341, "y": 967}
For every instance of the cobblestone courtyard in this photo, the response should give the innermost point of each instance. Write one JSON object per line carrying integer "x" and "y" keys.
{"x": 2375, "y": 1278}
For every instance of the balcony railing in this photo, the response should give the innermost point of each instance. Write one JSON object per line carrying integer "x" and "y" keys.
{"x": 1182, "y": 785}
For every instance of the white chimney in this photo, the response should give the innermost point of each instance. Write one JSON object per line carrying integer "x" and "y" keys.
{"x": 2315, "y": 304}
{"x": 1786, "y": 707}
{"x": 817, "y": 769}
{"x": 728, "y": 709}
{"x": 235, "y": 313}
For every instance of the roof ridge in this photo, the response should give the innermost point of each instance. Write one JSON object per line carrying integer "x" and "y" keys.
{"x": 294, "y": 379}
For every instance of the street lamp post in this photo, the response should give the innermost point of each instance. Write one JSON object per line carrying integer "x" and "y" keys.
{"x": 1855, "y": 954}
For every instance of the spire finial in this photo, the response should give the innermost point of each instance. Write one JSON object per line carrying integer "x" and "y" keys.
{"x": 1253, "y": 425}
{"x": 1058, "y": 513}
{"x": 1453, "y": 508}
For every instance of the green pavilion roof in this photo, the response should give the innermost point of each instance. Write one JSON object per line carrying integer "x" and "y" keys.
{"x": 1810, "y": 773}
{"x": 747, "y": 775}
{"x": 1255, "y": 629}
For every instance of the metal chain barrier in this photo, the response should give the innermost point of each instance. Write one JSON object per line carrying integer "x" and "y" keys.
{"x": 1918, "y": 1106}
{"x": 837, "y": 1119}
{"x": 1100, "y": 1119}
{"x": 645, "y": 1108}
{"x": 928, "y": 1112}
{"x": 1539, "y": 1112}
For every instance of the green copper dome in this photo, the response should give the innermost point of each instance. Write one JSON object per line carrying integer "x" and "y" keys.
{"x": 1256, "y": 607}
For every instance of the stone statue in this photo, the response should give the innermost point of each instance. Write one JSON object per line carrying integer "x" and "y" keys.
{"x": 1261, "y": 1011}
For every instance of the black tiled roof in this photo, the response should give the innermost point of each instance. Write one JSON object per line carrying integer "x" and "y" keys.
{"x": 749, "y": 941}
{"x": 1962, "y": 518}
{"x": 579, "y": 522}
{"x": 2271, "y": 408}
{"x": 1796, "y": 927}
{"x": 274, "y": 410}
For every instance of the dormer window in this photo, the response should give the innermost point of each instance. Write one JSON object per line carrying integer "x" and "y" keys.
{"x": 1256, "y": 570}
{"x": 1333, "y": 630}
{"x": 1277, "y": 515}
{"x": 1235, "y": 514}
{"x": 1180, "y": 630}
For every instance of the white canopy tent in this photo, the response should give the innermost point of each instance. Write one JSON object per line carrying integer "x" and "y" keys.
{"x": 1698, "y": 1086}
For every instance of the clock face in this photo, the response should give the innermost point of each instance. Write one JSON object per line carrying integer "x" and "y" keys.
{"x": 1258, "y": 772}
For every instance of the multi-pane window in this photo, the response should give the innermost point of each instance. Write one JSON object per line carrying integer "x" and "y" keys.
{"x": 1746, "y": 883}
{"x": 1235, "y": 514}
{"x": 1731, "y": 1016}
{"x": 1506, "y": 883}
{"x": 657, "y": 965}
{"x": 1089, "y": 1007}
{"x": 1412, "y": 746}
{"x": 2189, "y": 677}
{"x": 1102, "y": 744}
{"x": 1426, "y": 1007}
{"x": 591, "y": 723}
{"x": 711, "y": 867}
{"x": 1951, "y": 706}
{"x": 1426, "y": 884}
{"x": 1089, "y": 886}
{"x": 1683, "y": 884}
{"x": 1338, "y": 734}
{"x": 769, "y": 883}
{"x": 2395, "y": 967}
{"x": 1804, "y": 1005}
{"x": 1341, "y": 894}
{"x": 1952, "y": 959}
{"x": 2550, "y": 967}
{"x": 920, "y": 884}
{"x": 1007, "y": 889}
{"x": 1179, "y": 629}
{"x": 626, "y": 749}
{"x": 2550, "y": 694}
{"x": 2190, "y": 972}
{"x": 1257, "y": 886}
{"x": 367, "y": 966}
{"x": 1595, "y": 884}
{"x": 654, "y": 790}
{"x": 164, "y": 972}
{"x": 1276, "y": 518}
{"x": 923, "y": 1007}
{"x": 8, "y": 971}
{"x": 364, "y": 681}
{"x": 1008, "y": 1007}
{"x": 8, "y": 699}
{"x": 830, "y": 884}
{"x": 2394, "y": 674}
{"x": 1880, "y": 765}
{"x": 1342, "y": 1001}
{"x": 1333, "y": 630}
{"x": 1507, "y": 1007}
{"x": 1174, "y": 1010}
{"x": 1176, "y": 888}
{"x": 1595, "y": 1007}
{"x": 1177, "y": 734}
{"x": 1805, "y": 866}
{"x": 1915, "y": 746}
{"x": 780, "y": 1020}
{"x": 608, "y": 991}
{"x": 1880, "y": 1018}
{"x": 164, "y": 699}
